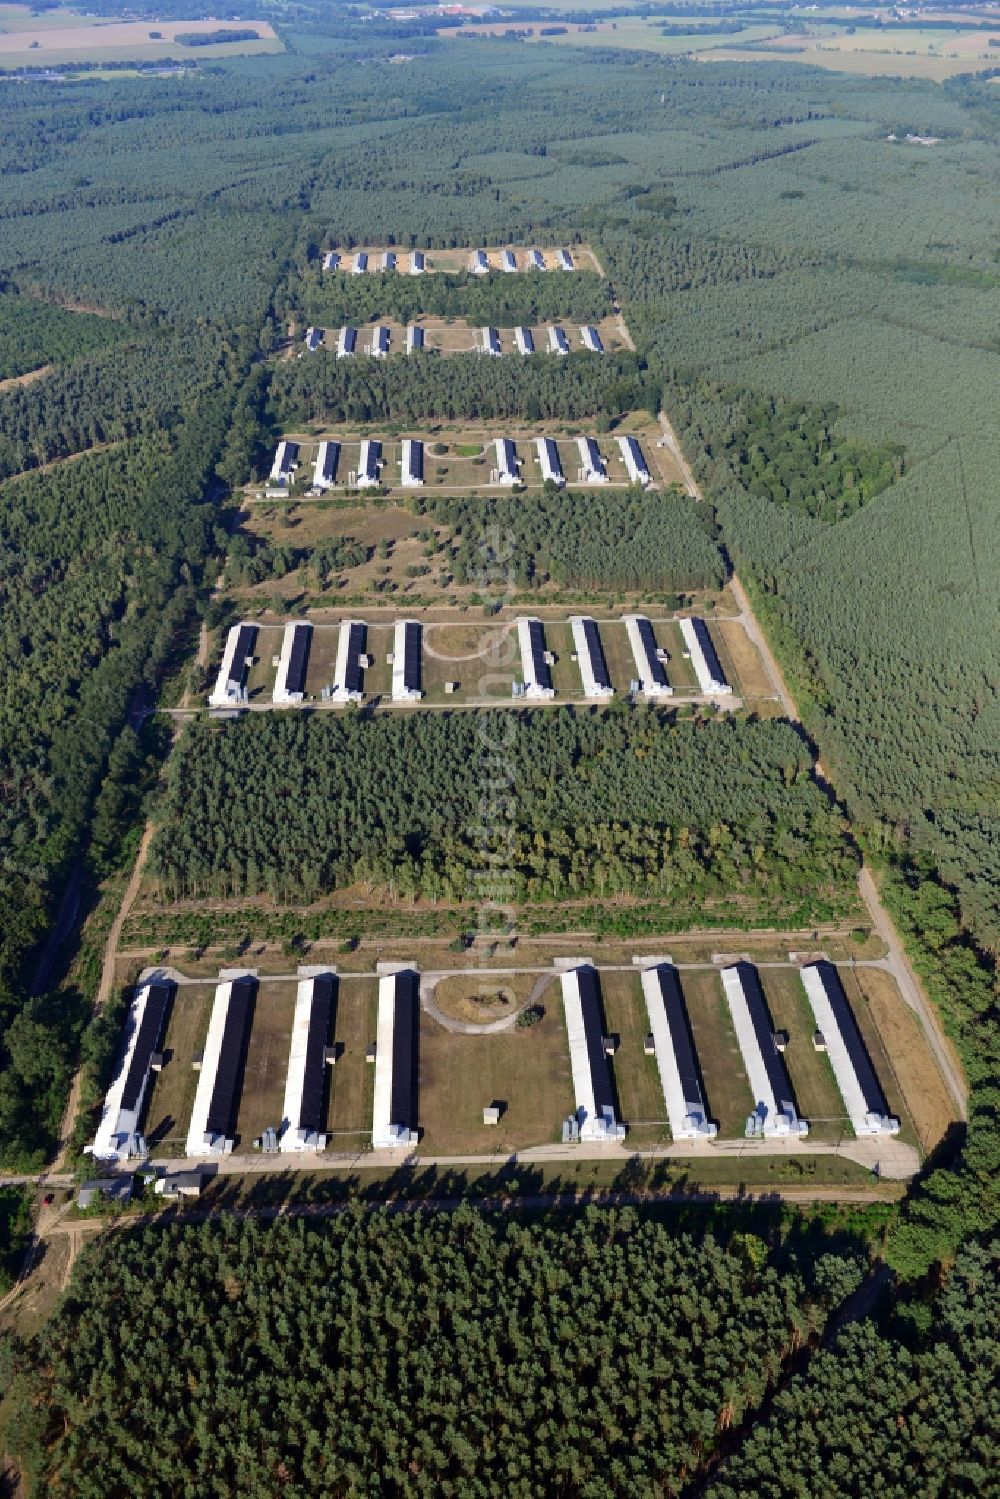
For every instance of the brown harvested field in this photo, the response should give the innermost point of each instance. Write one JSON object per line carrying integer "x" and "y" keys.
{"x": 636, "y": 1078}
{"x": 814, "y": 1086}
{"x": 447, "y": 336}
{"x": 528, "y": 1069}
{"x": 262, "y": 1098}
{"x": 863, "y": 64}
{"x": 64, "y": 37}
{"x": 480, "y": 998}
{"x": 456, "y": 260}
{"x": 740, "y": 659}
{"x": 352, "y": 1086}
{"x": 913, "y": 1086}
{"x": 727, "y": 1092}
{"x": 174, "y": 1088}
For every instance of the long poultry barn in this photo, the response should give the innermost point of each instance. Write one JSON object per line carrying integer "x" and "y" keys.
{"x": 368, "y": 463}
{"x": 594, "y": 673}
{"x": 592, "y": 466}
{"x": 535, "y": 665}
{"x": 230, "y": 684}
{"x": 774, "y": 1110}
{"x": 290, "y": 683}
{"x": 286, "y": 456}
{"x": 406, "y": 647}
{"x": 857, "y": 1079}
{"x": 394, "y": 1115}
{"x": 211, "y": 1132}
{"x": 506, "y": 452}
{"x": 305, "y": 1080}
{"x": 549, "y": 462}
{"x": 326, "y": 465}
{"x": 118, "y": 1137}
{"x": 646, "y": 655}
{"x": 347, "y": 671}
{"x": 635, "y": 462}
{"x": 704, "y": 657}
{"x": 412, "y": 463}
{"x": 595, "y": 1101}
{"x": 676, "y": 1059}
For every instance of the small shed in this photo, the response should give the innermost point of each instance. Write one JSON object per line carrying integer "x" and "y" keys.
{"x": 370, "y": 1053}
{"x": 491, "y": 1114}
{"x": 649, "y": 1045}
{"x": 780, "y": 1040}
{"x": 610, "y": 1044}
{"x": 181, "y": 1184}
{"x": 819, "y": 1041}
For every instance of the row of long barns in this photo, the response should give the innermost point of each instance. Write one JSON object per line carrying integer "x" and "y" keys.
{"x": 488, "y": 340}
{"x": 535, "y": 683}
{"x": 415, "y": 262}
{"x": 507, "y": 471}
{"x": 671, "y": 1041}
{"x": 394, "y": 1051}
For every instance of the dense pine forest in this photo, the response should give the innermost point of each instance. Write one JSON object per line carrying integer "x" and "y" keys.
{"x": 333, "y": 298}
{"x": 598, "y": 540}
{"x": 607, "y": 803}
{"x": 426, "y": 387}
{"x": 816, "y": 306}
{"x": 431, "y": 1354}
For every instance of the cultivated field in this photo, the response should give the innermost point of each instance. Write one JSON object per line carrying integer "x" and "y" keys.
{"x": 929, "y": 51}
{"x": 62, "y": 36}
{"x": 456, "y": 336}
